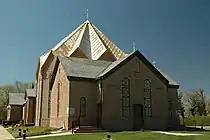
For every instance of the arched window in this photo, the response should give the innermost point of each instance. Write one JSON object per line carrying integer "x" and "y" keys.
{"x": 58, "y": 99}
{"x": 49, "y": 94}
{"x": 147, "y": 98}
{"x": 82, "y": 107}
{"x": 125, "y": 86}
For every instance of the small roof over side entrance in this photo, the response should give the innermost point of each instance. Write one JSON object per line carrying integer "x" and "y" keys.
{"x": 16, "y": 98}
{"x": 30, "y": 93}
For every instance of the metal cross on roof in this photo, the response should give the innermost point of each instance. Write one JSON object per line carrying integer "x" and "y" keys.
{"x": 134, "y": 46}
{"x": 87, "y": 15}
{"x": 154, "y": 62}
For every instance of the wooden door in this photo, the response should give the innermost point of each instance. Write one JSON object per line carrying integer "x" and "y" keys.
{"x": 99, "y": 115}
{"x": 138, "y": 121}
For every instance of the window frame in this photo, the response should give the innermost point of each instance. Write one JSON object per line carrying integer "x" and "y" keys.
{"x": 83, "y": 105}
{"x": 125, "y": 93}
{"x": 147, "y": 98}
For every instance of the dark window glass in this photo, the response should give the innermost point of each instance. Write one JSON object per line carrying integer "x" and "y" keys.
{"x": 125, "y": 86}
{"x": 49, "y": 95}
{"x": 147, "y": 98}
{"x": 58, "y": 99}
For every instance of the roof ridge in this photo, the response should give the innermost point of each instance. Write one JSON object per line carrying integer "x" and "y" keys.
{"x": 118, "y": 60}
{"x": 73, "y": 57}
{"x": 103, "y": 70}
{"x": 110, "y": 42}
{"x": 62, "y": 41}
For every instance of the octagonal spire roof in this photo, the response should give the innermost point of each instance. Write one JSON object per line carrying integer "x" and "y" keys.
{"x": 89, "y": 40}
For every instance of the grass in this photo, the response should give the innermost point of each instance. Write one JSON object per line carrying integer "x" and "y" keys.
{"x": 32, "y": 130}
{"x": 197, "y": 120}
{"x": 138, "y": 135}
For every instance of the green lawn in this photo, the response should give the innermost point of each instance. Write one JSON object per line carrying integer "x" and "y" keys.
{"x": 32, "y": 130}
{"x": 127, "y": 136}
{"x": 198, "y": 120}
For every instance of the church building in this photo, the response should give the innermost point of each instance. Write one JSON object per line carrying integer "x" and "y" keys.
{"x": 87, "y": 79}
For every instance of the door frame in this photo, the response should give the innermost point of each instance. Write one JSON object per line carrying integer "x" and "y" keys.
{"x": 135, "y": 106}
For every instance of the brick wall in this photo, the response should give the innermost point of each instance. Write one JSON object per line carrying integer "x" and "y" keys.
{"x": 137, "y": 72}
{"x": 60, "y": 100}
{"x": 43, "y": 95}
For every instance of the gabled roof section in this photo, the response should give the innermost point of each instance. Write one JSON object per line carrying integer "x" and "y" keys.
{"x": 81, "y": 67}
{"x": 16, "y": 98}
{"x": 70, "y": 42}
{"x": 114, "y": 65}
{"x": 171, "y": 81}
{"x": 70, "y": 39}
{"x": 51, "y": 54}
{"x": 42, "y": 61}
{"x": 120, "y": 62}
{"x": 118, "y": 53}
{"x": 30, "y": 92}
{"x": 75, "y": 67}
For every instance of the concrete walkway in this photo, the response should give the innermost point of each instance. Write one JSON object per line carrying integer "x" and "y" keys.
{"x": 204, "y": 127}
{"x": 49, "y": 135}
{"x": 177, "y": 134}
{"x": 69, "y": 133}
{"x": 4, "y": 134}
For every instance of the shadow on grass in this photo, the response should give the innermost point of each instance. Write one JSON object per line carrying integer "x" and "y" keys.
{"x": 31, "y": 131}
{"x": 181, "y": 128}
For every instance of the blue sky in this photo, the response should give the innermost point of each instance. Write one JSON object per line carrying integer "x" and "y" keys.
{"x": 174, "y": 33}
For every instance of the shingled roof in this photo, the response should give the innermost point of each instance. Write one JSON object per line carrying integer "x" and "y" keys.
{"x": 16, "y": 98}
{"x": 95, "y": 69}
{"x": 171, "y": 81}
{"x": 30, "y": 93}
{"x": 85, "y": 68}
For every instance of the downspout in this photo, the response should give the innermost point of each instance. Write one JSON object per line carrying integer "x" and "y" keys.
{"x": 101, "y": 102}
{"x": 101, "y": 90}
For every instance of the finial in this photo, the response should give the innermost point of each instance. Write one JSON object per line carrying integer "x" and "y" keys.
{"x": 134, "y": 46}
{"x": 153, "y": 63}
{"x": 87, "y": 15}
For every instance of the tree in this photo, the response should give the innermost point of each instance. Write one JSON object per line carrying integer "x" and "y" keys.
{"x": 197, "y": 103}
{"x": 18, "y": 87}
{"x": 181, "y": 108}
{"x": 208, "y": 105}
{"x": 4, "y": 99}
{"x": 196, "y": 100}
